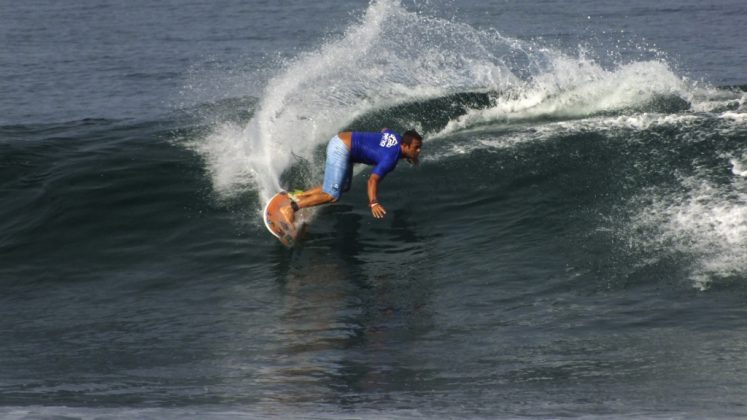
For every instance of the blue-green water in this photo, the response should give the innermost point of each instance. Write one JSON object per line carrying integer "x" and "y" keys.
{"x": 574, "y": 243}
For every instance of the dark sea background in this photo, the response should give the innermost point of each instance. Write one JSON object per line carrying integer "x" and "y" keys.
{"x": 574, "y": 243}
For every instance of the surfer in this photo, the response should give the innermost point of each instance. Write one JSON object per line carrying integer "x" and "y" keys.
{"x": 383, "y": 149}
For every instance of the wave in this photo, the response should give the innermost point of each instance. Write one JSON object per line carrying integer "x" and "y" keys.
{"x": 391, "y": 64}
{"x": 469, "y": 89}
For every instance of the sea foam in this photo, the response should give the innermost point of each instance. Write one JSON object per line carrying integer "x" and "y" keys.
{"x": 706, "y": 222}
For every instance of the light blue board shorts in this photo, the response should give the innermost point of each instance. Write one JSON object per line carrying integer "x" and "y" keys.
{"x": 338, "y": 171}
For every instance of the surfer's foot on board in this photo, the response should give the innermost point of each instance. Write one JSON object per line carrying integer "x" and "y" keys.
{"x": 288, "y": 213}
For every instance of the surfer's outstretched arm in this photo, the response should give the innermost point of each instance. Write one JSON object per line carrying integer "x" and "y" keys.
{"x": 377, "y": 210}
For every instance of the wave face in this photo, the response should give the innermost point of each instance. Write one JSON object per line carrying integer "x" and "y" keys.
{"x": 474, "y": 92}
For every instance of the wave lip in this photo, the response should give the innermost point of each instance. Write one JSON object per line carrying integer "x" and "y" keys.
{"x": 581, "y": 88}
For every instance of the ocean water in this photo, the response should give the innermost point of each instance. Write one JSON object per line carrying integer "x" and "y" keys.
{"x": 573, "y": 244}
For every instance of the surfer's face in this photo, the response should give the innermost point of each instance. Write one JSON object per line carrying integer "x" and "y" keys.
{"x": 411, "y": 151}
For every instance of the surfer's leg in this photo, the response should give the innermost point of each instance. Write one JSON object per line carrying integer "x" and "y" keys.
{"x": 348, "y": 178}
{"x": 307, "y": 193}
{"x": 335, "y": 169}
{"x": 311, "y": 198}
{"x": 314, "y": 200}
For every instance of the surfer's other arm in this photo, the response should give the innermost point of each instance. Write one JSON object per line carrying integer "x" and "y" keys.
{"x": 377, "y": 210}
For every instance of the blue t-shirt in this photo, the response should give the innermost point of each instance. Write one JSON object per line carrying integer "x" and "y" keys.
{"x": 376, "y": 148}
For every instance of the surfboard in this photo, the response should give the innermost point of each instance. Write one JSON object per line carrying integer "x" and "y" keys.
{"x": 278, "y": 225}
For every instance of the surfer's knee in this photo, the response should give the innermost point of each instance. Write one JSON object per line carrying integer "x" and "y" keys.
{"x": 330, "y": 193}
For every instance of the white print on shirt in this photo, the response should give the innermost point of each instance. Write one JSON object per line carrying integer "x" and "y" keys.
{"x": 388, "y": 140}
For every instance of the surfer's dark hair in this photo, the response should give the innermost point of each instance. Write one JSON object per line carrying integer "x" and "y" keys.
{"x": 410, "y": 135}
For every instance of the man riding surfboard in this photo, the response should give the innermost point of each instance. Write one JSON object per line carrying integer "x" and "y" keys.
{"x": 383, "y": 149}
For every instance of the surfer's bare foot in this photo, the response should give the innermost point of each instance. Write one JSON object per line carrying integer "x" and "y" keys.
{"x": 288, "y": 213}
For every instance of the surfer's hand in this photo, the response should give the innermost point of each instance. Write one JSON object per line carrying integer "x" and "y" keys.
{"x": 378, "y": 211}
